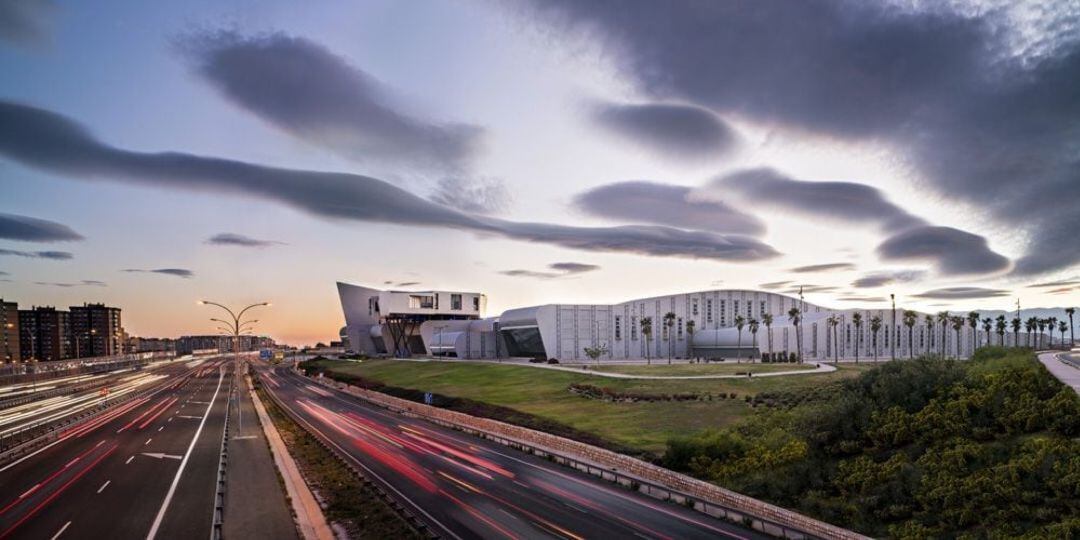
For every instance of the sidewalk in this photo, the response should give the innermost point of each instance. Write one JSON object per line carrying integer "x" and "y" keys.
{"x": 1066, "y": 373}
{"x": 255, "y": 505}
{"x": 580, "y": 369}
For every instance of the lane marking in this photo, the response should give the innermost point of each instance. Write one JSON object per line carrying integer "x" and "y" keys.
{"x": 29, "y": 491}
{"x": 159, "y": 455}
{"x": 183, "y": 463}
{"x": 148, "y": 441}
{"x": 161, "y": 428}
{"x": 103, "y": 486}
{"x": 129, "y": 460}
{"x": 61, "y": 531}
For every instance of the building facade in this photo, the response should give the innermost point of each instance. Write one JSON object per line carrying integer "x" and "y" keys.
{"x": 10, "y": 352}
{"x": 98, "y": 330}
{"x": 702, "y": 324}
{"x": 45, "y": 334}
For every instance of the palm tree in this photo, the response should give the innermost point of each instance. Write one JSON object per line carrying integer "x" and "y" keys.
{"x": 1000, "y": 326}
{"x": 766, "y": 319}
{"x": 1051, "y": 323}
{"x": 669, "y": 323}
{"x": 875, "y": 327}
{"x": 690, "y": 327}
{"x": 1062, "y": 327}
{"x": 856, "y": 320}
{"x": 1016, "y": 331}
{"x": 833, "y": 321}
{"x": 739, "y": 322}
{"x": 1030, "y": 326}
{"x": 1072, "y": 336}
{"x": 929, "y": 320}
{"x": 910, "y": 318}
{"x": 943, "y": 320}
{"x": 1041, "y": 325}
{"x": 795, "y": 316}
{"x": 754, "y": 325}
{"x": 958, "y": 325}
{"x": 987, "y": 326}
{"x": 973, "y": 322}
{"x": 646, "y": 330}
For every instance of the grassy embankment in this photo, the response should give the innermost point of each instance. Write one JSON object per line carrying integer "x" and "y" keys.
{"x": 349, "y": 503}
{"x": 543, "y": 397}
{"x": 927, "y": 448}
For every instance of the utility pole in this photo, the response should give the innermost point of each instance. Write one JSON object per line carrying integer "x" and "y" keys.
{"x": 892, "y": 342}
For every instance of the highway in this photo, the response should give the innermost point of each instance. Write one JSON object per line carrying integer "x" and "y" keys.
{"x": 145, "y": 469}
{"x": 467, "y": 487}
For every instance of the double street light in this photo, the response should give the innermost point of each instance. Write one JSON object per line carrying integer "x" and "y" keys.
{"x": 236, "y": 326}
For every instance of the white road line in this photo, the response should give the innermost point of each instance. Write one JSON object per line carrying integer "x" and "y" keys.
{"x": 103, "y": 486}
{"x": 161, "y": 428}
{"x": 170, "y": 419}
{"x": 70, "y": 463}
{"x": 29, "y": 491}
{"x": 183, "y": 463}
{"x": 129, "y": 460}
{"x": 61, "y": 531}
{"x": 148, "y": 441}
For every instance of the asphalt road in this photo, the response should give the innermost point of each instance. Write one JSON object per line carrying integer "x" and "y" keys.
{"x": 147, "y": 469}
{"x": 467, "y": 487}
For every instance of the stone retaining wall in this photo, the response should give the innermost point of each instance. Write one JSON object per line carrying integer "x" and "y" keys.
{"x": 624, "y": 465}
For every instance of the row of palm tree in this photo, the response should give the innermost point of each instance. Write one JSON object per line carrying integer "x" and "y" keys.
{"x": 909, "y": 319}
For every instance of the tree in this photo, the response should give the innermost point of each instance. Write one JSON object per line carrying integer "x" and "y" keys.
{"x": 753, "y": 324}
{"x": 766, "y": 319}
{"x": 1030, "y": 325}
{"x": 910, "y": 318}
{"x": 875, "y": 327}
{"x": 691, "y": 325}
{"x": 646, "y": 330}
{"x": 1051, "y": 323}
{"x": 987, "y": 326}
{"x": 594, "y": 353}
{"x": 1016, "y": 331}
{"x": 1040, "y": 324}
{"x": 834, "y": 321}
{"x": 973, "y": 322}
{"x": 669, "y": 324}
{"x": 795, "y": 316}
{"x": 1062, "y": 327}
{"x": 943, "y": 320}
{"x": 1072, "y": 336}
{"x": 958, "y": 325}
{"x": 856, "y": 320}
{"x": 1000, "y": 327}
{"x": 739, "y": 323}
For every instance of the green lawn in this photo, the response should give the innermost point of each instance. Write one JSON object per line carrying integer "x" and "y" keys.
{"x": 727, "y": 368}
{"x": 544, "y": 393}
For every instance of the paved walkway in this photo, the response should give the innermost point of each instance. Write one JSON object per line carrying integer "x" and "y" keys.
{"x": 1058, "y": 363}
{"x": 581, "y": 369}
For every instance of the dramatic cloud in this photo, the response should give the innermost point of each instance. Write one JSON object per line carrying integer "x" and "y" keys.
{"x": 774, "y": 285}
{"x": 952, "y": 250}
{"x": 665, "y": 204}
{"x": 28, "y": 229}
{"x": 879, "y": 279}
{"x": 54, "y": 255}
{"x": 50, "y": 142}
{"x": 316, "y": 95}
{"x": 810, "y": 289}
{"x": 985, "y": 117}
{"x": 677, "y": 132}
{"x": 233, "y": 239}
{"x": 472, "y": 195}
{"x": 1060, "y": 283}
{"x": 85, "y": 282}
{"x": 3, "y": 273}
{"x": 829, "y": 267}
{"x": 25, "y": 22}
{"x": 839, "y": 201}
{"x": 178, "y": 272}
{"x": 866, "y": 299}
{"x": 561, "y": 269}
{"x": 962, "y": 293}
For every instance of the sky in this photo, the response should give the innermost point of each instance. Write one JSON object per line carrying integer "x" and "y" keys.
{"x": 538, "y": 151}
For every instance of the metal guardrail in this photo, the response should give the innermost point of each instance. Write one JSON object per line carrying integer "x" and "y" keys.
{"x": 223, "y": 463}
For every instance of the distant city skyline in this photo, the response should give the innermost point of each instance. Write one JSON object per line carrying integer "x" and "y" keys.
{"x": 535, "y": 151}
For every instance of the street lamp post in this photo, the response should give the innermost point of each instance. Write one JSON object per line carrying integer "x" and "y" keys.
{"x": 235, "y": 327}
